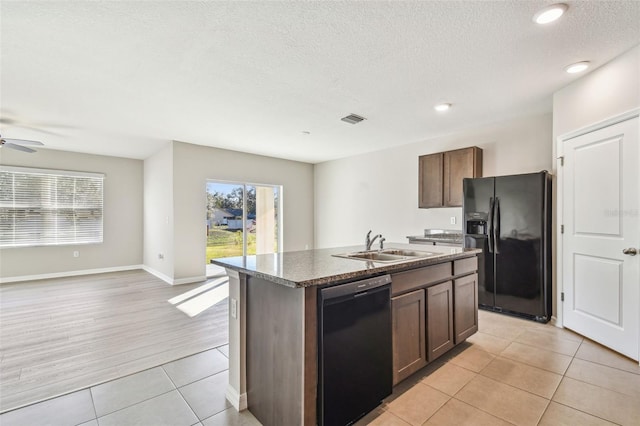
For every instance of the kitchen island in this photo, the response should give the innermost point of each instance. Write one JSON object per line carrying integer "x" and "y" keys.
{"x": 273, "y": 319}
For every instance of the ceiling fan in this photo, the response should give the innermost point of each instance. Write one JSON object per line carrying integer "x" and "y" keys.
{"x": 18, "y": 144}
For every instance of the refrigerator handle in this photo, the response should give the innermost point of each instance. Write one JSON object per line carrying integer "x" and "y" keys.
{"x": 490, "y": 230}
{"x": 496, "y": 225}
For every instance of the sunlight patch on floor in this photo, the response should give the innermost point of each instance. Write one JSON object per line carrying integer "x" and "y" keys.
{"x": 189, "y": 294}
{"x": 196, "y": 301}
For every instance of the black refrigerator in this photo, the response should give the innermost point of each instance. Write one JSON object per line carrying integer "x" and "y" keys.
{"x": 509, "y": 218}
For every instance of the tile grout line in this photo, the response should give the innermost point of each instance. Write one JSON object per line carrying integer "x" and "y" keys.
{"x": 197, "y": 380}
{"x": 187, "y": 384}
{"x": 189, "y": 405}
{"x": 180, "y": 393}
{"x": 535, "y": 366}
{"x": 610, "y": 366}
{"x": 93, "y": 403}
{"x": 464, "y": 402}
{"x": 18, "y": 397}
{"x": 480, "y": 409}
{"x": 523, "y": 363}
{"x": 400, "y": 418}
{"x": 549, "y": 350}
{"x": 524, "y": 390}
{"x": 118, "y": 378}
{"x": 137, "y": 403}
{"x": 571, "y": 358}
{"x": 479, "y": 373}
{"x": 558, "y": 387}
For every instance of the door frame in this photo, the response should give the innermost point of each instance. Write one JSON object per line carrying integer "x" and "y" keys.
{"x": 244, "y": 185}
{"x": 560, "y": 140}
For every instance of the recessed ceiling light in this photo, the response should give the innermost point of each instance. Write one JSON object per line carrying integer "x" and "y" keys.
{"x": 442, "y": 107}
{"x": 306, "y": 132}
{"x": 550, "y": 13}
{"x": 577, "y": 67}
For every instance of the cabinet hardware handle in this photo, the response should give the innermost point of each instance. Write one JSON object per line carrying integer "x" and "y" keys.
{"x": 630, "y": 251}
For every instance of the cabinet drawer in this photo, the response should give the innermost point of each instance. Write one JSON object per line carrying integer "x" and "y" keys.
{"x": 405, "y": 281}
{"x": 465, "y": 266}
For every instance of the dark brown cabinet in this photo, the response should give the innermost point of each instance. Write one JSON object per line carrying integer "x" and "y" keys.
{"x": 440, "y": 176}
{"x": 465, "y": 293}
{"x": 430, "y": 181}
{"x": 434, "y": 308}
{"x": 440, "y": 336}
{"x": 409, "y": 348}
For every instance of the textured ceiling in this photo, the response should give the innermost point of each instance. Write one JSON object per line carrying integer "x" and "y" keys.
{"x": 123, "y": 78}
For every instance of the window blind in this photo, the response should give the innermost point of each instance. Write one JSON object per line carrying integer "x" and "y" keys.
{"x": 41, "y": 207}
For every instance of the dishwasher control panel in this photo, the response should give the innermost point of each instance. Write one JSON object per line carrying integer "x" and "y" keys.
{"x": 356, "y": 286}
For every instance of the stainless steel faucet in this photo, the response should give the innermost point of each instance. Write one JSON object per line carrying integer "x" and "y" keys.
{"x": 369, "y": 241}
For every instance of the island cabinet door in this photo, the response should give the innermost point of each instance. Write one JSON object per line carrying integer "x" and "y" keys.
{"x": 440, "y": 336}
{"x": 409, "y": 349}
{"x": 465, "y": 293}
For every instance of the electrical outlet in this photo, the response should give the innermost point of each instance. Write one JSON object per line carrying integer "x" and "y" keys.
{"x": 234, "y": 308}
{"x": 76, "y": 254}
{"x": 160, "y": 256}
{"x": 452, "y": 220}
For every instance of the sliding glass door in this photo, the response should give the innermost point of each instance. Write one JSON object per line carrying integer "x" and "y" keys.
{"x": 242, "y": 219}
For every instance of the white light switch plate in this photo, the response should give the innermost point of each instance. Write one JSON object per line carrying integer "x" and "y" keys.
{"x": 453, "y": 220}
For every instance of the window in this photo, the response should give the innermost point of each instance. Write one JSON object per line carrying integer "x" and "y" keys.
{"x": 41, "y": 207}
{"x": 243, "y": 219}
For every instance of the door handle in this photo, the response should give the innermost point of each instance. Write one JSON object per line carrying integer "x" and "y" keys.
{"x": 496, "y": 225}
{"x": 490, "y": 230}
{"x": 630, "y": 251}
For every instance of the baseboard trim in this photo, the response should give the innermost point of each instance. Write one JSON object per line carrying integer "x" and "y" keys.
{"x": 189, "y": 280}
{"x": 7, "y": 280}
{"x": 158, "y": 274}
{"x": 172, "y": 281}
{"x": 239, "y": 401}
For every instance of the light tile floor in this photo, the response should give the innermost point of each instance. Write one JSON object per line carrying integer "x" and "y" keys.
{"x": 512, "y": 372}
{"x": 186, "y": 392}
{"x": 517, "y": 372}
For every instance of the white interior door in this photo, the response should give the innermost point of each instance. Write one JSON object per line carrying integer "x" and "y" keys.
{"x": 602, "y": 222}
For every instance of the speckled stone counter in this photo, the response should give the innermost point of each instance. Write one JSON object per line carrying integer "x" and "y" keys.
{"x": 273, "y": 330}
{"x": 319, "y": 267}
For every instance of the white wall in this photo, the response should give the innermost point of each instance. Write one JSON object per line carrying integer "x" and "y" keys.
{"x": 379, "y": 190}
{"x": 610, "y": 90}
{"x": 158, "y": 213}
{"x": 192, "y": 166}
{"x": 122, "y": 246}
{"x": 607, "y": 91}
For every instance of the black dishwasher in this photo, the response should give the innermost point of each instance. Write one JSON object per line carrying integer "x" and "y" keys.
{"x": 355, "y": 369}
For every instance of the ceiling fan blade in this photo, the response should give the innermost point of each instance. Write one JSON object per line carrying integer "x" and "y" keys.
{"x": 18, "y": 147}
{"x": 22, "y": 142}
{"x": 32, "y": 124}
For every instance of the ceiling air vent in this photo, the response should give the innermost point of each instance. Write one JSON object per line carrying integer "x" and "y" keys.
{"x": 352, "y": 119}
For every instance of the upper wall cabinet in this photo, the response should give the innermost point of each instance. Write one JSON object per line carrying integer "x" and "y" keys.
{"x": 441, "y": 174}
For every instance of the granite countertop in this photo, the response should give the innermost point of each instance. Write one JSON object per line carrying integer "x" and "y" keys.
{"x": 435, "y": 239}
{"x": 438, "y": 236}
{"x": 318, "y": 267}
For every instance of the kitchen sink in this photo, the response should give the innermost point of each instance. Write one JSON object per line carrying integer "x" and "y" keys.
{"x": 410, "y": 253}
{"x": 389, "y": 255}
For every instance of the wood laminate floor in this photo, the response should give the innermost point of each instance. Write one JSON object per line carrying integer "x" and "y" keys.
{"x": 65, "y": 334}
